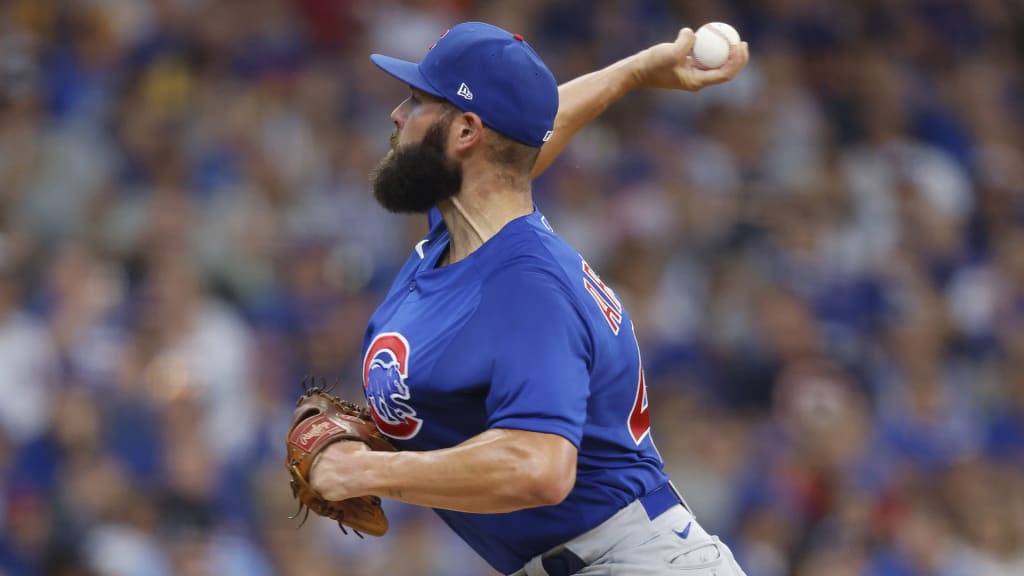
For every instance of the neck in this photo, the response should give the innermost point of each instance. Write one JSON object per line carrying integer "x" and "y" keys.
{"x": 482, "y": 207}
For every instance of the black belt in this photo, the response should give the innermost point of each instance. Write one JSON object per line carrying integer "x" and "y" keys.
{"x": 565, "y": 562}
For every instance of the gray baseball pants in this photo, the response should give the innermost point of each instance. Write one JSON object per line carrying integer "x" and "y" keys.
{"x": 642, "y": 539}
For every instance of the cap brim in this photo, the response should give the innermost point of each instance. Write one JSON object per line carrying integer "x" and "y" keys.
{"x": 408, "y": 72}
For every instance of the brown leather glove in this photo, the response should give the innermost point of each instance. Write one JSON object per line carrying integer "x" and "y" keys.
{"x": 319, "y": 420}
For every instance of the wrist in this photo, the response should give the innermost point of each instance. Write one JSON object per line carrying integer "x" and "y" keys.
{"x": 343, "y": 470}
{"x": 637, "y": 71}
{"x": 372, "y": 477}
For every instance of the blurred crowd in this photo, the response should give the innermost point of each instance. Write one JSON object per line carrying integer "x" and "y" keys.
{"x": 824, "y": 260}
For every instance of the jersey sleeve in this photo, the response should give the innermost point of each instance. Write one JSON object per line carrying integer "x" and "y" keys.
{"x": 540, "y": 352}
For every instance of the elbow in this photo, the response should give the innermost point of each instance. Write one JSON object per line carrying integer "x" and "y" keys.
{"x": 553, "y": 489}
{"x": 539, "y": 470}
{"x": 549, "y": 483}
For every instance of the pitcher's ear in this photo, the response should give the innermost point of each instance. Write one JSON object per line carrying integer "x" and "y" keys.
{"x": 467, "y": 131}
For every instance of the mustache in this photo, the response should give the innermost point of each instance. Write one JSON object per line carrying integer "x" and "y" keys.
{"x": 394, "y": 139}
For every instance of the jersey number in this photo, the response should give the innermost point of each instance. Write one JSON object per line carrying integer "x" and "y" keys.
{"x": 640, "y": 417}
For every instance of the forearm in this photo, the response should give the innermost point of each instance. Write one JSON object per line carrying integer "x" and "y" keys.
{"x": 583, "y": 99}
{"x": 667, "y": 65}
{"x": 490, "y": 473}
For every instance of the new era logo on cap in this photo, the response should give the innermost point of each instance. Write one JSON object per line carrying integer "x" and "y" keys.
{"x": 464, "y": 92}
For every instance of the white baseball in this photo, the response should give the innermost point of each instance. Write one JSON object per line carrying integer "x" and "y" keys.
{"x": 711, "y": 48}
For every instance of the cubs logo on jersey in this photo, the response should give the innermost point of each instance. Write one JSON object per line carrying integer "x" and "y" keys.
{"x": 385, "y": 369}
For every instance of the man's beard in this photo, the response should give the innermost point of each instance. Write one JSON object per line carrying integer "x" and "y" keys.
{"x": 413, "y": 178}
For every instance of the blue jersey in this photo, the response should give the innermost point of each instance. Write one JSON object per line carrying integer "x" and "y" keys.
{"x": 521, "y": 334}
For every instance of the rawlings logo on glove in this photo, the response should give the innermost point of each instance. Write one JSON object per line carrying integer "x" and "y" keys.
{"x": 314, "y": 429}
{"x": 319, "y": 420}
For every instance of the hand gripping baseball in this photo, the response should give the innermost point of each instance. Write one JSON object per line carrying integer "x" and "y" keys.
{"x": 670, "y": 65}
{"x": 319, "y": 420}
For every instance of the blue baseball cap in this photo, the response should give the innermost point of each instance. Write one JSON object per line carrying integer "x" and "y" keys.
{"x": 491, "y": 72}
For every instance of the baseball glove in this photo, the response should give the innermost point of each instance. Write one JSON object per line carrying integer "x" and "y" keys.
{"x": 319, "y": 420}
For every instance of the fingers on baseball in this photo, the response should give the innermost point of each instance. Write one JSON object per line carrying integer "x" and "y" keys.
{"x": 686, "y": 39}
{"x": 738, "y": 57}
{"x": 740, "y": 52}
